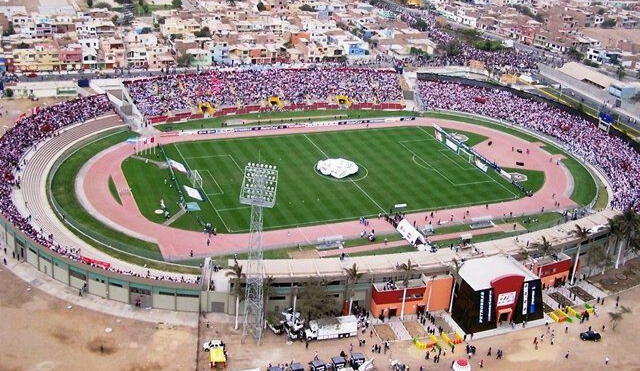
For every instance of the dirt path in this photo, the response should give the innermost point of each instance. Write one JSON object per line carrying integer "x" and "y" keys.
{"x": 177, "y": 244}
{"x": 39, "y": 332}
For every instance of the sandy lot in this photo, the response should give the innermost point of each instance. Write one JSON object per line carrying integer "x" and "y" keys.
{"x": 38, "y": 332}
{"x": 609, "y": 37}
{"x": 517, "y": 346}
{"x": 11, "y": 109}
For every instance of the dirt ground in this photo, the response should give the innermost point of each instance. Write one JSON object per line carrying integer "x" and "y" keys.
{"x": 11, "y": 109}
{"x": 519, "y": 352}
{"x": 415, "y": 329}
{"x": 38, "y": 332}
{"x": 608, "y": 37}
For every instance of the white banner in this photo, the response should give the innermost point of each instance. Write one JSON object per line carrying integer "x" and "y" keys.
{"x": 439, "y": 136}
{"x": 410, "y": 234}
{"x": 507, "y": 298}
{"x": 481, "y": 165}
{"x": 177, "y": 166}
{"x": 451, "y": 145}
{"x": 505, "y": 175}
{"x": 193, "y": 193}
{"x": 525, "y": 297}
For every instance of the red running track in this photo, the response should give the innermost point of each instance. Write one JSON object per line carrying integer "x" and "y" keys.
{"x": 176, "y": 244}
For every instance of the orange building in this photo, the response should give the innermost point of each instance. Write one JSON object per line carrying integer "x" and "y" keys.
{"x": 553, "y": 270}
{"x": 425, "y": 293}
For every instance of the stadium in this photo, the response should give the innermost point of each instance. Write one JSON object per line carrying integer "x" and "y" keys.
{"x": 133, "y": 194}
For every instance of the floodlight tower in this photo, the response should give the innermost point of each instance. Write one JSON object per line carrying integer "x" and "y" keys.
{"x": 258, "y": 190}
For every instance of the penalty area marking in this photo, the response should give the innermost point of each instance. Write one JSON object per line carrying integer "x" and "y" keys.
{"x": 215, "y": 181}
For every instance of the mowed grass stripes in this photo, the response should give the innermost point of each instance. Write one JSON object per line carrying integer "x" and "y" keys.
{"x": 397, "y": 165}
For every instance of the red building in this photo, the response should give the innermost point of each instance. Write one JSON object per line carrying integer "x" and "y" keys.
{"x": 424, "y": 293}
{"x": 553, "y": 270}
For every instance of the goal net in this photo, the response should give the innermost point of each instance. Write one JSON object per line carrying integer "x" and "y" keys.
{"x": 196, "y": 179}
{"x": 466, "y": 155}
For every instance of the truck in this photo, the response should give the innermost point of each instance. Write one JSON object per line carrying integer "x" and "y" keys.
{"x": 332, "y": 328}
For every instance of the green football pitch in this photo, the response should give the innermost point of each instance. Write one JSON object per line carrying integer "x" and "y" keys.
{"x": 396, "y": 165}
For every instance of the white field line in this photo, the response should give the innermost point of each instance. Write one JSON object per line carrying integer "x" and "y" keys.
{"x": 515, "y": 196}
{"x": 208, "y": 198}
{"x": 215, "y": 181}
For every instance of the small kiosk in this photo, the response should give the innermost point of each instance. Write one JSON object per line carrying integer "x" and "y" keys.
{"x": 357, "y": 360}
{"x": 317, "y": 365}
{"x": 338, "y": 363}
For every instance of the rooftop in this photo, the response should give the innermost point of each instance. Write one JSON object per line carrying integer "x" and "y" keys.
{"x": 479, "y": 273}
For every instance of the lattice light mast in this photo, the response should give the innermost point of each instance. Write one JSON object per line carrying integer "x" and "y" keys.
{"x": 259, "y": 188}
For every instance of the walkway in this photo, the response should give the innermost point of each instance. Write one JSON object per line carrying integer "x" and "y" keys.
{"x": 442, "y": 237}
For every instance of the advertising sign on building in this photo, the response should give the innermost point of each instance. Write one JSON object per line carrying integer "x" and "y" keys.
{"x": 507, "y": 298}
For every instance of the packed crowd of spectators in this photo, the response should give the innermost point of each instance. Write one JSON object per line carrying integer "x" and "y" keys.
{"x": 224, "y": 88}
{"x": 506, "y": 60}
{"x": 618, "y": 160}
{"x": 25, "y": 135}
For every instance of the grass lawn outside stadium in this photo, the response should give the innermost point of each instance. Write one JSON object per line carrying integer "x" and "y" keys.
{"x": 396, "y": 165}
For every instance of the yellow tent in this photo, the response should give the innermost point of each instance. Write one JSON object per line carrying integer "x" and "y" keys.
{"x": 276, "y": 101}
{"x": 216, "y": 355}
{"x": 343, "y": 99}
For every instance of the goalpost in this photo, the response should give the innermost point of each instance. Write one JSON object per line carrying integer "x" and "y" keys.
{"x": 196, "y": 179}
{"x": 466, "y": 154}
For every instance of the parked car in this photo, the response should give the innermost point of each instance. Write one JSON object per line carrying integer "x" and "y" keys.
{"x": 212, "y": 344}
{"x": 590, "y": 336}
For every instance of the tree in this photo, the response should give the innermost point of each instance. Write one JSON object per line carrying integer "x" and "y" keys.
{"x": 352, "y": 277}
{"x": 261, "y": 7}
{"x": 455, "y": 273}
{"x": 601, "y": 11}
{"x": 8, "y": 92}
{"x": 267, "y": 286}
{"x": 10, "y": 30}
{"x": 407, "y": 268}
{"x": 176, "y": 4}
{"x": 583, "y": 235}
{"x": 452, "y": 48}
{"x": 90, "y": 3}
{"x": 184, "y": 60}
{"x": 204, "y": 32}
{"x": 103, "y": 5}
{"x": 315, "y": 301}
{"x": 608, "y": 23}
{"x": 544, "y": 247}
{"x": 307, "y": 8}
{"x": 114, "y": 19}
{"x": 616, "y": 317}
{"x": 236, "y": 280}
{"x": 621, "y": 72}
{"x": 626, "y": 226}
{"x": 575, "y": 54}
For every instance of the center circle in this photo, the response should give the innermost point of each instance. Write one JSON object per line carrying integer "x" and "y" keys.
{"x": 360, "y": 175}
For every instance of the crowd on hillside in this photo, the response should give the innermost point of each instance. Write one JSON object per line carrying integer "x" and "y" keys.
{"x": 223, "y": 88}
{"x": 506, "y": 60}
{"x": 618, "y": 160}
{"x": 25, "y": 135}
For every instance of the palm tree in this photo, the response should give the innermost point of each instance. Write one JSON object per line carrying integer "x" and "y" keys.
{"x": 628, "y": 224}
{"x": 616, "y": 317}
{"x": 267, "y": 284}
{"x": 583, "y": 235}
{"x": 352, "y": 277}
{"x": 236, "y": 278}
{"x": 455, "y": 273}
{"x": 408, "y": 268}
